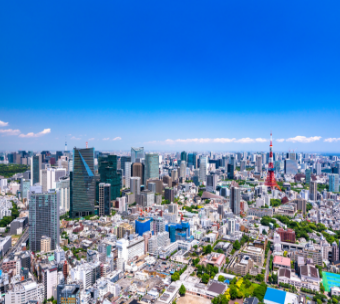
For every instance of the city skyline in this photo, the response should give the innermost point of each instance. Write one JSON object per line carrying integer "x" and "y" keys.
{"x": 165, "y": 75}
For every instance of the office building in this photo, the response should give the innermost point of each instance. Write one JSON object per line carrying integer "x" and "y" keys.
{"x": 203, "y": 168}
{"x": 151, "y": 169}
{"x": 212, "y": 182}
{"x": 137, "y": 153}
{"x": 335, "y": 252}
{"x": 169, "y": 194}
{"x": 258, "y": 166}
{"x": 45, "y": 244}
{"x": 82, "y": 183}
{"x": 318, "y": 168}
{"x": 63, "y": 185}
{"x": 124, "y": 229}
{"x": 231, "y": 226}
{"x": 43, "y": 218}
{"x": 286, "y": 235}
{"x": 192, "y": 160}
{"x": 235, "y": 200}
{"x": 50, "y": 176}
{"x": 27, "y": 291}
{"x": 173, "y": 208}
{"x": 135, "y": 183}
{"x": 313, "y": 190}
{"x": 290, "y": 166}
{"x": 167, "y": 180}
{"x": 25, "y": 185}
{"x": 127, "y": 171}
{"x": 138, "y": 171}
{"x": 68, "y": 294}
{"x": 142, "y": 225}
{"x": 123, "y": 160}
{"x": 333, "y": 182}
{"x": 231, "y": 171}
{"x": 182, "y": 170}
{"x": 35, "y": 169}
{"x": 308, "y": 174}
{"x": 107, "y": 169}
{"x": 104, "y": 199}
{"x": 183, "y": 156}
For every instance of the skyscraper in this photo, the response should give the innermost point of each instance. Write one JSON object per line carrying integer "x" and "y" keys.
{"x": 138, "y": 171}
{"x": 308, "y": 173}
{"x": 127, "y": 174}
{"x": 313, "y": 190}
{"x": 35, "y": 169}
{"x": 104, "y": 199}
{"x": 183, "y": 169}
{"x": 44, "y": 218}
{"x": 235, "y": 199}
{"x": 258, "y": 163}
{"x": 192, "y": 160}
{"x": 333, "y": 182}
{"x": 107, "y": 169}
{"x": 82, "y": 183}
{"x": 137, "y": 153}
{"x": 291, "y": 166}
{"x": 123, "y": 160}
{"x": 203, "y": 168}
{"x": 184, "y": 156}
{"x": 135, "y": 185}
{"x": 151, "y": 169}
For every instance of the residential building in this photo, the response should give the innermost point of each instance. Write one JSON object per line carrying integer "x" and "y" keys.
{"x": 127, "y": 171}
{"x": 286, "y": 235}
{"x": 333, "y": 182}
{"x": 151, "y": 169}
{"x": 138, "y": 171}
{"x": 43, "y": 218}
{"x": 235, "y": 199}
{"x": 104, "y": 199}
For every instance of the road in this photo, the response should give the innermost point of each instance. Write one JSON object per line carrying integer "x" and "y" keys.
{"x": 23, "y": 238}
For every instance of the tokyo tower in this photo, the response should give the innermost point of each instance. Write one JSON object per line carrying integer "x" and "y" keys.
{"x": 270, "y": 180}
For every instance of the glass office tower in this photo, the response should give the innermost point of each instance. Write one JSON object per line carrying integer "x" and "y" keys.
{"x": 82, "y": 183}
{"x": 107, "y": 169}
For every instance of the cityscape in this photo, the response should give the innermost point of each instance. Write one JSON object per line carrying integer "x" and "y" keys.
{"x": 169, "y": 152}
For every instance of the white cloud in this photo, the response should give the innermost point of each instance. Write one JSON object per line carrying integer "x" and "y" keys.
{"x": 31, "y": 134}
{"x": 304, "y": 139}
{"x": 91, "y": 139}
{"x": 107, "y": 138}
{"x": 117, "y": 138}
{"x": 331, "y": 139}
{"x": 10, "y": 132}
{"x": 280, "y": 140}
{"x": 3, "y": 124}
{"x": 209, "y": 140}
{"x": 75, "y": 138}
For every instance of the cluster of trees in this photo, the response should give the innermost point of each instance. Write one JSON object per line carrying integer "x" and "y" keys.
{"x": 192, "y": 209}
{"x": 182, "y": 290}
{"x": 259, "y": 277}
{"x": 207, "y": 249}
{"x": 235, "y": 291}
{"x": 221, "y": 299}
{"x": 11, "y": 169}
{"x": 8, "y": 219}
{"x": 273, "y": 279}
{"x": 205, "y": 273}
{"x": 176, "y": 276}
{"x": 275, "y": 202}
{"x": 288, "y": 286}
{"x": 308, "y": 290}
{"x": 319, "y": 298}
{"x": 265, "y": 220}
{"x": 303, "y": 228}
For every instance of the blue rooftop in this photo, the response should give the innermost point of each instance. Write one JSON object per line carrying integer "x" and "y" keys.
{"x": 275, "y": 295}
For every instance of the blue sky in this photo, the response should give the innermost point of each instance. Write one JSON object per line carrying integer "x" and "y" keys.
{"x": 170, "y": 75}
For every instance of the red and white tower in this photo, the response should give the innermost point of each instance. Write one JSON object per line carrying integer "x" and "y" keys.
{"x": 270, "y": 180}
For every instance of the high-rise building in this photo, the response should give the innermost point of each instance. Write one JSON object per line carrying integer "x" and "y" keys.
{"x": 335, "y": 252}
{"x": 235, "y": 199}
{"x": 138, "y": 171}
{"x": 184, "y": 156}
{"x": 68, "y": 294}
{"x": 169, "y": 194}
{"x": 135, "y": 185}
{"x": 313, "y": 190}
{"x": 167, "y": 180}
{"x": 308, "y": 173}
{"x": 35, "y": 169}
{"x": 291, "y": 166}
{"x": 173, "y": 208}
{"x": 50, "y": 176}
{"x": 318, "y": 168}
{"x": 231, "y": 171}
{"x": 123, "y": 160}
{"x": 211, "y": 182}
{"x": 82, "y": 183}
{"x": 25, "y": 187}
{"x": 203, "y": 168}
{"x": 183, "y": 169}
{"x": 104, "y": 199}
{"x": 107, "y": 169}
{"x": 137, "y": 153}
{"x": 151, "y": 169}
{"x": 258, "y": 163}
{"x": 63, "y": 185}
{"x": 286, "y": 235}
{"x": 231, "y": 226}
{"x": 192, "y": 160}
{"x": 44, "y": 218}
{"x": 127, "y": 174}
{"x": 333, "y": 182}
{"x": 243, "y": 165}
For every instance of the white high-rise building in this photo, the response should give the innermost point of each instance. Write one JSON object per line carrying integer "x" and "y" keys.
{"x": 127, "y": 174}
{"x": 50, "y": 176}
{"x": 135, "y": 185}
{"x": 203, "y": 168}
{"x": 122, "y": 203}
{"x": 25, "y": 291}
{"x": 63, "y": 185}
{"x": 231, "y": 226}
{"x": 182, "y": 170}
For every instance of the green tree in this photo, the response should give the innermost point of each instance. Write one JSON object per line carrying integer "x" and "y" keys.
{"x": 221, "y": 278}
{"x": 233, "y": 292}
{"x": 205, "y": 278}
{"x": 264, "y": 232}
{"x": 175, "y": 277}
{"x": 207, "y": 249}
{"x": 322, "y": 288}
{"x": 182, "y": 290}
{"x": 237, "y": 245}
{"x": 260, "y": 291}
{"x": 259, "y": 277}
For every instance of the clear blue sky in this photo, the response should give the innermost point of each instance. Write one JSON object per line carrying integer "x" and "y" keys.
{"x": 143, "y": 72}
